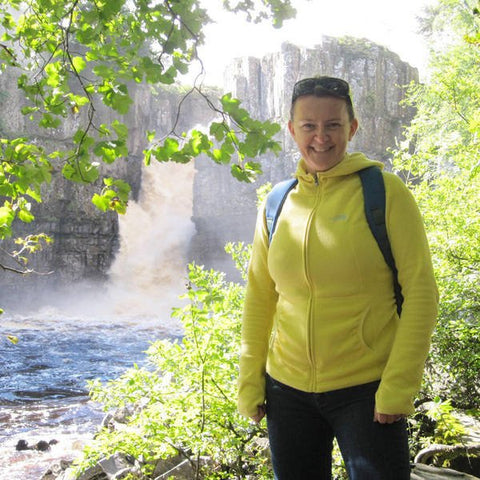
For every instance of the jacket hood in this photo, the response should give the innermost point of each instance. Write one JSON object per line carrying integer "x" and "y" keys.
{"x": 351, "y": 163}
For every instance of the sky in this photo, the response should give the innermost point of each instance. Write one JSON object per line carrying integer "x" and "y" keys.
{"x": 391, "y": 23}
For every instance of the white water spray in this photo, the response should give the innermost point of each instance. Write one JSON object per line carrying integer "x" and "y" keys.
{"x": 149, "y": 271}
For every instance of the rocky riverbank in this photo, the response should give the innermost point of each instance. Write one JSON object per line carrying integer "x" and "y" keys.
{"x": 120, "y": 466}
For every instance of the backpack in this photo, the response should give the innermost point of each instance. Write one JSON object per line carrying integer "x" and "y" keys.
{"x": 374, "y": 202}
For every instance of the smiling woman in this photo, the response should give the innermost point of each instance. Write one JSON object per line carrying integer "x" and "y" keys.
{"x": 325, "y": 352}
{"x": 321, "y": 128}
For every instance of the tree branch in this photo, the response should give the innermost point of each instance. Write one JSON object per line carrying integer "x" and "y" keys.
{"x": 446, "y": 452}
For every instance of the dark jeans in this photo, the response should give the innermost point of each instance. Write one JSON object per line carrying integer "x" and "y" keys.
{"x": 302, "y": 426}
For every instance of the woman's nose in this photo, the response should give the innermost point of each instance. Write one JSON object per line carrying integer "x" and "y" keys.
{"x": 321, "y": 134}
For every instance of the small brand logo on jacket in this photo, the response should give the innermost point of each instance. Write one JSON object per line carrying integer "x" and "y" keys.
{"x": 341, "y": 217}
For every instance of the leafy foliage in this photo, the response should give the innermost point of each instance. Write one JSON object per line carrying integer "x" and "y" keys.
{"x": 436, "y": 423}
{"x": 184, "y": 403}
{"x": 441, "y": 158}
{"x": 276, "y": 9}
{"x": 23, "y": 169}
{"x": 72, "y": 57}
{"x": 227, "y": 134}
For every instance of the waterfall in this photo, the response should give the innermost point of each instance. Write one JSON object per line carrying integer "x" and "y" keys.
{"x": 149, "y": 271}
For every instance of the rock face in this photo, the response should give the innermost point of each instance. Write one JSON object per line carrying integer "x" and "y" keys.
{"x": 86, "y": 241}
{"x": 224, "y": 210}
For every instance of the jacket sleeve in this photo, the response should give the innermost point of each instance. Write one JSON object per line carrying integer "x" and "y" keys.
{"x": 259, "y": 309}
{"x": 402, "y": 376}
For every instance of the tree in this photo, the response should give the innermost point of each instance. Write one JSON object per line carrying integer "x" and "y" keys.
{"x": 441, "y": 157}
{"x": 69, "y": 57}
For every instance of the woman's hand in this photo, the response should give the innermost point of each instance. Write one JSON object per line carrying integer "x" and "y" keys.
{"x": 260, "y": 414}
{"x": 387, "y": 418}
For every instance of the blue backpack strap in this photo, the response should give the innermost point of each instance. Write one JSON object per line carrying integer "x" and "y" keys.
{"x": 275, "y": 200}
{"x": 374, "y": 201}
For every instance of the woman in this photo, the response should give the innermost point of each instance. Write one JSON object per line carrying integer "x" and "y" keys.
{"x": 324, "y": 352}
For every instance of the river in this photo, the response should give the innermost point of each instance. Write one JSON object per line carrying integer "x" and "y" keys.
{"x": 43, "y": 392}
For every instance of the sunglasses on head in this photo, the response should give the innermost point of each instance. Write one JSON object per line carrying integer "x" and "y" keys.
{"x": 321, "y": 86}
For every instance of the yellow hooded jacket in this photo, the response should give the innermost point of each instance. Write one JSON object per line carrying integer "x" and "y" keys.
{"x": 320, "y": 312}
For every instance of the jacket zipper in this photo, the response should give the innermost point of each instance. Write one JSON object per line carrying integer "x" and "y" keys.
{"x": 310, "y": 346}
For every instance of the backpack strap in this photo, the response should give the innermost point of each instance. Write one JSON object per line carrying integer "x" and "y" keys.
{"x": 275, "y": 200}
{"x": 375, "y": 205}
{"x": 374, "y": 200}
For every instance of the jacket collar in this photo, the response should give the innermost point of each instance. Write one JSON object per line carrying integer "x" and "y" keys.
{"x": 351, "y": 163}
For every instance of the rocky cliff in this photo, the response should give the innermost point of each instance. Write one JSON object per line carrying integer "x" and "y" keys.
{"x": 86, "y": 241}
{"x": 224, "y": 210}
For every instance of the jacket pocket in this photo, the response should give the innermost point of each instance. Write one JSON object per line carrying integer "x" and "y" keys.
{"x": 365, "y": 337}
{"x": 377, "y": 330}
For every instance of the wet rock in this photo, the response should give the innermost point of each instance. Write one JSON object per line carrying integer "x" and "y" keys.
{"x": 42, "y": 446}
{"x": 117, "y": 466}
{"x": 56, "y": 470}
{"x": 22, "y": 445}
{"x": 178, "y": 467}
{"x": 92, "y": 473}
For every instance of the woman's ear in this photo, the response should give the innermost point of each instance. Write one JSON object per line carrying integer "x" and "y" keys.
{"x": 353, "y": 128}
{"x": 291, "y": 129}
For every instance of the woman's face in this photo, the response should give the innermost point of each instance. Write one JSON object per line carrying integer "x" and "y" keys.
{"x": 321, "y": 129}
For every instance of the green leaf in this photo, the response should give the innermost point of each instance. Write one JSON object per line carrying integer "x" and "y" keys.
{"x": 28, "y": 110}
{"x": 167, "y": 151}
{"x": 110, "y": 150}
{"x": 104, "y": 71}
{"x": 246, "y": 173}
{"x": 25, "y": 216}
{"x": 48, "y": 121}
{"x": 53, "y": 74}
{"x": 116, "y": 97}
{"x": 231, "y": 106}
{"x": 79, "y": 100}
{"x": 102, "y": 203}
{"x": 198, "y": 143}
{"x": 120, "y": 129}
{"x": 79, "y": 63}
{"x": 6, "y": 215}
{"x": 107, "y": 151}
{"x": 218, "y": 130}
{"x": 123, "y": 189}
{"x": 153, "y": 71}
{"x": 81, "y": 171}
{"x": 150, "y": 136}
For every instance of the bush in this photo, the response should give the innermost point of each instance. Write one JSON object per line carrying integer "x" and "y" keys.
{"x": 184, "y": 402}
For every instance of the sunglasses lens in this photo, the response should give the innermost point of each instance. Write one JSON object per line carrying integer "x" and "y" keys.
{"x": 312, "y": 86}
